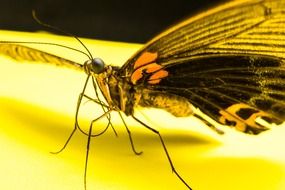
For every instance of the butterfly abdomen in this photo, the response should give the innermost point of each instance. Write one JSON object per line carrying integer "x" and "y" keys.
{"x": 176, "y": 105}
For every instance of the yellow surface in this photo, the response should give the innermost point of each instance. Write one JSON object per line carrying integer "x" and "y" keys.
{"x": 37, "y": 106}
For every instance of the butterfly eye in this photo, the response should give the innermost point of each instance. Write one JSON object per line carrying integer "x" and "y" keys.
{"x": 95, "y": 65}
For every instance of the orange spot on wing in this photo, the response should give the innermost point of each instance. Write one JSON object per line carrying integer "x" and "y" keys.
{"x": 151, "y": 68}
{"x": 158, "y": 73}
{"x": 145, "y": 58}
{"x": 156, "y": 77}
{"x": 137, "y": 75}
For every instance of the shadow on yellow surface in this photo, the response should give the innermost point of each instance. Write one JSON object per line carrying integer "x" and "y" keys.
{"x": 29, "y": 132}
{"x": 37, "y": 116}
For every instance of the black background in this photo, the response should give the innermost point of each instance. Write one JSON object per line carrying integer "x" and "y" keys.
{"x": 118, "y": 20}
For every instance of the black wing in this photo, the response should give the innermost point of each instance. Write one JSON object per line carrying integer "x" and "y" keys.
{"x": 23, "y": 53}
{"x": 232, "y": 89}
{"x": 229, "y": 62}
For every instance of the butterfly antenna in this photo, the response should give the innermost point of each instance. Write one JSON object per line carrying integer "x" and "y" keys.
{"x": 61, "y": 31}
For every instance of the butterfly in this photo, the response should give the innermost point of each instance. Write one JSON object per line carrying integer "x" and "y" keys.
{"x": 228, "y": 62}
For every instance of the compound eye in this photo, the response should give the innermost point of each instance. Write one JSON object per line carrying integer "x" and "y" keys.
{"x": 96, "y": 65}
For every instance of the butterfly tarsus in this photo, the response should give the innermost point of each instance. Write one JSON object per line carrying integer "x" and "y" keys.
{"x": 165, "y": 150}
{"x": 75, "y": 126}
{"x": 66, "y": 143}
{"x": 130, "y": 136}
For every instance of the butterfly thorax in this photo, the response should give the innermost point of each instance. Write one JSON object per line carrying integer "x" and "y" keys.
{"x": 119, "y": 94}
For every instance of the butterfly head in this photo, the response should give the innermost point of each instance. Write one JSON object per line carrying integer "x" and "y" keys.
{"x": 94, "y": 66}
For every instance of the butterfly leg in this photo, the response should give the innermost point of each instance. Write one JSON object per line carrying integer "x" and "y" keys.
{"x": 130, "y": 136}
{"x": 75, "y": 125}
{"x": 97, "y": 101}
{"x": 128, "y": 131}
{"x": 88, "y": 145}
{"x": 165, "y": 150}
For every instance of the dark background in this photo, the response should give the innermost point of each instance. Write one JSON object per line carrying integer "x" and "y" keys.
{"x": 117, "y": 20}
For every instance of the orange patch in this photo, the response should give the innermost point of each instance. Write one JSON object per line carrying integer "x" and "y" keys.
{"x": 146, "y": 63}
{"x": 137, "y": 75}
{"x": 154, "y": 68}
{"x": 145, "y": 58}
{"x": 156, "y": 77}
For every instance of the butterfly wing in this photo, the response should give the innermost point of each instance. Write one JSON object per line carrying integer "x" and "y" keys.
{"x": 24, "y": 53}
{"x": 228, "y": 62}
{"x": 233, "y": 89}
